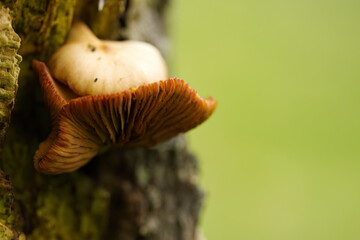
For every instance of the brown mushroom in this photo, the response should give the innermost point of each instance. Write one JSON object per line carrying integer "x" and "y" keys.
{"x": 140, "y": 116}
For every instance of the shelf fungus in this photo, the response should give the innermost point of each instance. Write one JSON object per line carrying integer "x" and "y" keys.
{"x": 104, "y": 93}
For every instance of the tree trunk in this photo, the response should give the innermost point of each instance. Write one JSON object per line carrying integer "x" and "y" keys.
{"x": 127, "y": 193}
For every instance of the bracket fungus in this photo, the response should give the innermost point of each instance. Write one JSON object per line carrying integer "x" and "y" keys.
{"x": 104, "y": 93}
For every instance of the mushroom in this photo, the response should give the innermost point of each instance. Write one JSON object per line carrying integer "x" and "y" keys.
{"x": 130, "y": 104}
{"x": 104, "y": 67}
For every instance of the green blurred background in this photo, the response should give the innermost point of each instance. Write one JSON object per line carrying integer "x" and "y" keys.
{"x": 280, "y": 156}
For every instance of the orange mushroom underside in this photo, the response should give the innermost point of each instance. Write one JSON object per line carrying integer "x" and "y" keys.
{"x": 145, "y": 116}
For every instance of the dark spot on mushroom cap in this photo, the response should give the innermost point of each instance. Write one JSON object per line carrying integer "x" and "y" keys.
{"x": 91, "y": 47}
{"x": 95, "y": 80}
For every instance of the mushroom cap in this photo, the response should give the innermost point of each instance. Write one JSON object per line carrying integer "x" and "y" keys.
{"x": 142, "y": 116}
{"x": 104, "y": 67}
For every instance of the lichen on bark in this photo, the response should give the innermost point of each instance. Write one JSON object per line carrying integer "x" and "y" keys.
{"x": 71, "y": 208}
{"x": 10, "y": 219}
{"x": 9, "y": 69}
{"x": 42, "y": 25}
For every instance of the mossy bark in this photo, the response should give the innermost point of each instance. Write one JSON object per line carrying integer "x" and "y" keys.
{"x": 138, "y": 193}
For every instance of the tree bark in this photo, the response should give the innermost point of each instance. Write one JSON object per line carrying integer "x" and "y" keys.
{"x": 127, "y": 193}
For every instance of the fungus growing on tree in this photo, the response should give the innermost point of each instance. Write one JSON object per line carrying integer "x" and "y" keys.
{"x": 104, "y": 93}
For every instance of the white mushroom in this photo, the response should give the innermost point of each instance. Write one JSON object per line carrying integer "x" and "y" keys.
{"x": 91, "y": 66}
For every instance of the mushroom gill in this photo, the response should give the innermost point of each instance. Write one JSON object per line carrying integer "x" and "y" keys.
{"x": 142, "y": 116}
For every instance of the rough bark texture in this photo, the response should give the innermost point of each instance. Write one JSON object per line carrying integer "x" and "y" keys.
{"x": 139, "y": 193}
{"x": 9, "y": 69}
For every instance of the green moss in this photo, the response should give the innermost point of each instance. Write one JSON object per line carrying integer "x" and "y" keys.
{"x": 8, "y": 216}
{"x": 6, "y": 233}
{"x": 9, "y": 68}
{"x": 9, "y": 72}
{"x": 70, "y": 208}
{"x": 105, "y": 20}
{"x": 43, "y": 25}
